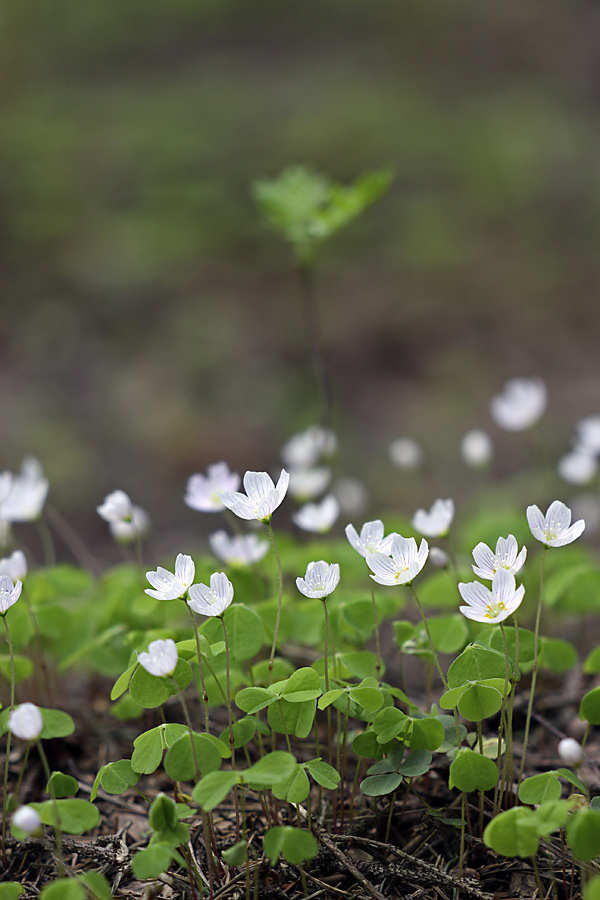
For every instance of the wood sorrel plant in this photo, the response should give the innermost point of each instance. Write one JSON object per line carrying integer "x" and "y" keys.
{"x": 279, "y": 678}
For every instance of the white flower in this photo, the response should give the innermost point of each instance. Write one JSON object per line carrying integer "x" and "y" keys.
{"x": 579, "y": 466}
{"x": 242, "y": 550}
{"x": 9, "y": 593}
{"x": 213, "y": 600}
{"x": 570, "y": 751}
{"x": 27, "y": 819}
{"x": 25, "y": 722}
{"x": 308, "y": 447}
{"x": 506, "y": 557}
{"x": 492, "y": 606}
{"x": 6, "y": 483}
{"x": 406, "y": 453}
{"x": 588, "y": 432}
{"x": 161, "y": 658}
{"x": 15, "y": 566}
{"x": 405, "y": 564}
{"x": 437, "y": 521}
{"x": 116, "y": 507}
{"x": 318, "y": 517}
{"x": 371, "y": 538}
{"x": 129, "y": 530}
{"x": 554, "y": 529}
{"x": 321, "y": 579}
{"x": 477, "y": 449}
{"x": 308, "y": 483}
{"x": 438, "y": 557}
{"x": 203, "y": 490}
{"x": 521, "y": 404}
{"x": 28, "y": 493}
{"x": 262, "y": 497}
{"x": 352, "y": 495}
{"x": 169, "y": 586}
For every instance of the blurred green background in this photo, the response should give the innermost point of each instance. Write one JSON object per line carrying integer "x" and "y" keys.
{"x": 151, "y": 323}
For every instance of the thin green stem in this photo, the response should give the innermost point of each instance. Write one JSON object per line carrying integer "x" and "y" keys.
{"x": 429, "y": 638}
{"x": 534, "y": 671}
{"x": 377, "y": 641}
{"x": 57, "y": 827}
{"x": 8, "y": 738}
{"x": 188, "y": 722}
{"x": 230, "y": 718}
{"x": 47, "y": 542}
{"x": 200, "y": 666}
{"x": 279, "y": 597}
{"x": 502, "y": 715}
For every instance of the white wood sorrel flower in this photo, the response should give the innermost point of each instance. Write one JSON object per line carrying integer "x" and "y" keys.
{"x": 437, "y": 521}
{"x": 318, "y": 517}
{"x": 161, "y": 658}
{"x": 213, "y": 600}
{"x": 15, "y": 566}
{"x": 554, "y": 529}
{"x": 203, "y": 491}
{"x": 371, "y": 539}
{"x": 495, "y": 605}
{"x": 25, "y": 722}
{"x": 506, "y": 556}
{"x": 404, "y": 565}
{"x": 262, "y": 496}
{"x": 172, "y": 586}
{"x": 241, "y": 550}
{"x": 9, "y": 593}
{"x": 321, "y": 579}
{"x": 28, "y": 493}
{"x": 520, "y": 405}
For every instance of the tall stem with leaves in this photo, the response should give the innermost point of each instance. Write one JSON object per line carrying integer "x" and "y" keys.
{"x": 534, "y": 671}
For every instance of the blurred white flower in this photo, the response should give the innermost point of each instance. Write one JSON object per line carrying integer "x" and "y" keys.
{"x": 437, "y": 521}
{"x": 169, "y": 586}
{"x": 578, "y": 467}
{"x": 161, "y": 658}
{"x": 506, "y": 556}
{"x": 15, "y": 566}
{"x": 213, "y": 600}
{"x": 6, "y": 483}
{"x": 318, "y": 517}
{"x": 406, "y": 453}
{"x": 320, "y": 580}
{"x": 116, "y": 507}
{"x": 27, "y": 819}
{"x": 570, "y": 751}
{"x": 305, "y": 449}
{"x": 308, "y": 483}
{"x": 477, "y": 449}
{"x": 438, "y": 557}
{"x": 25, "y": 722}
{"x": 588, "y": 432}
{"x": 241, "y": 550}
{"x": 262, "y": 496}
{"x": 405, "y": 564}
{"x": 371, "y": 539}
{"x": 352, "y": 495}
{"x": 520, "y": 405}
{"x": 554, "y": 529}
{"x": 9, "y": 593}
{"x": 495, "y": 605}
{"x": 203, "y": 491}
{"x": 28, "y": 493}
{"x": 128, "y": 531}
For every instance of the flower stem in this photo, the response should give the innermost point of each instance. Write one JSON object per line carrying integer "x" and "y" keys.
{"x": 534, "y": 671}
{"x": 203, "y": 683}
{"x": 377, "y": 642}
{"x": 279, "y": 597}
{"x": 8, "y": 737}
{"x": 431, "y": 647}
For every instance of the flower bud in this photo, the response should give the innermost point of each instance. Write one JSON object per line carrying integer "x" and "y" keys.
{"x": 570, "y": 751}
{"x": 26, "y": 722}
{"x": 27, "y": 819}
{"x": 438, "y": 557}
